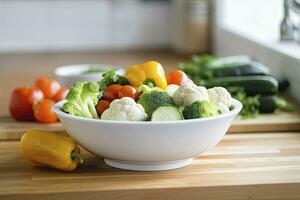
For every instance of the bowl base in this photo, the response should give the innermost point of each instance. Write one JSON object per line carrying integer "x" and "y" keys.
{"x": 148, "y": 166}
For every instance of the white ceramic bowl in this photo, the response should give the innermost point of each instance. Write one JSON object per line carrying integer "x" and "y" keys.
{"x": 67, "y": 75}
{"x": 147, "y": 146}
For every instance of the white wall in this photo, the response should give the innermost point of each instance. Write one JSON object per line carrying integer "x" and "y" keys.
{"x": 44, "y": 25}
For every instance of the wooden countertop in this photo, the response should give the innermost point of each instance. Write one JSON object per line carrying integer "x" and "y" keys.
{"x": 241, "y": 166}
{"x": 18, "y": 70}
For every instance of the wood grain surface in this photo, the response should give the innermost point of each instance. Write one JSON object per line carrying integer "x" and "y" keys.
{"x": 241, "y": 166}
{"x": 279, "y": 121}
{"x": 275, "y": 122}
{"x": 11, "y": 129}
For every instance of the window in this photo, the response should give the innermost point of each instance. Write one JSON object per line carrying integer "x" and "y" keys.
{"x": 252, "y": 27}
{"x": 259, "y": 18}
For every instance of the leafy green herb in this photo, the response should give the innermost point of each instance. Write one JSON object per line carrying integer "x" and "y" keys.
{"x": 250, "y": 103}
{"x": 203, "y": 60}
{"x": 198, "y": 69}
{"x": 109, "y": 78}
{"x": 195, "y": 71}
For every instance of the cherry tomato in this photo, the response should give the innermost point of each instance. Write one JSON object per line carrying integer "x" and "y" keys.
{"x": 49, "y": 86}
{"x": 102, "y": 106}
{"x": 128, "y": 91}
{"x": 21, "y": 102}
{"x": 177, "y": 77}
{"x": 111, "y": 92}
{"x": 61, "y": 94}
{"x": 43, "y": 111}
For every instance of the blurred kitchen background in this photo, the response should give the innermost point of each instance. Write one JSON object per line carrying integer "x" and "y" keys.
{"x": 36, "y": 36}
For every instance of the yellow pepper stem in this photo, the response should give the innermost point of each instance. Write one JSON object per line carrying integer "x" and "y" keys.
{"x": 149, "y": 82}
{"x": 77, "y": 156}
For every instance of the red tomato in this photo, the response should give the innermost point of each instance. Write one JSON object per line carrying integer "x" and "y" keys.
{"x": 177, "y": 77}
{"x": 49, "y": 86}
{"x": 61, "y": 94}
{"x": 111, "y": 92}
{"x": 43, "y": 111}
{"x": 128, "y": 91}
{"x": 21, "y": 102}
{"x": 102, "y": 106}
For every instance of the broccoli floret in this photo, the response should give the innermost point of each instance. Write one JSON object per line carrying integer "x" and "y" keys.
{"x": 153, "y": 99}
{"x": 200, "y": 109}
{"x": 81, "y": 100}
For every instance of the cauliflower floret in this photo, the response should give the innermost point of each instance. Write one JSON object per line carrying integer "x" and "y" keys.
{"x": 219, "y": 95}
{"x": 125, "y": 109}
{"x": 188, "y": 93}
{"x": 171, "y": 89}
{"x": 223, "y": 108}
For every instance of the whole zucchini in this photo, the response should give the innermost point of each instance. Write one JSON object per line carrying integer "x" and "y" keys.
{"x": 240, "y": 69}
{"x": 253, "y": 85}
{"x": 236, "y": 66}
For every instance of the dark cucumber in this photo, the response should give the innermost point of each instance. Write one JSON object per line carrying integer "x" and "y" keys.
{"x": 236, "y": 66}
{"x": 268, "y": 104}
{"x": 253, "y": 85}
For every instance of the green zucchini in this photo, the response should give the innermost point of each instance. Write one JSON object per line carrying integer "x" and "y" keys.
{"x": 240, "y": 69}
{"x": 224, "y": 66}
{"x": 253, "y": 85}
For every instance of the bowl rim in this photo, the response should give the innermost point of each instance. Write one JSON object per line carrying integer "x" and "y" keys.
{"x": 58, "y": 70}
{"x": 57, "y": 109}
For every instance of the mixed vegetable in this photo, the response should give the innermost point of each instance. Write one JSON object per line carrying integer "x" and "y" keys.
{"x": 146, "y": 94}
{"x": 246, "y": 80}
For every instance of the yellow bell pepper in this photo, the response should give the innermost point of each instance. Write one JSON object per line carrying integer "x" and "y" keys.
{"x": 148, "y": 72}
{"x": 49, "y": 149}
